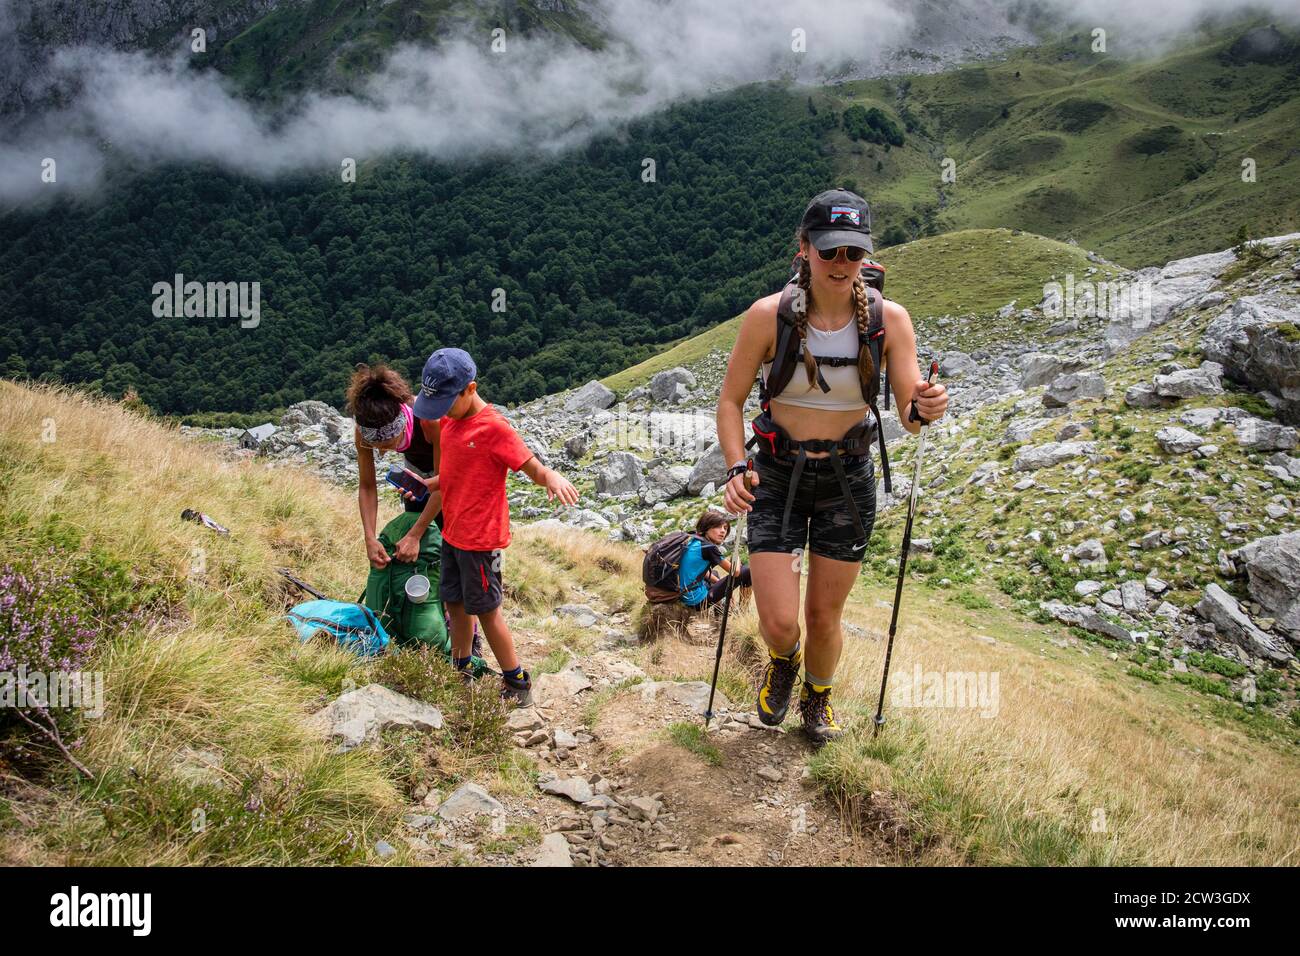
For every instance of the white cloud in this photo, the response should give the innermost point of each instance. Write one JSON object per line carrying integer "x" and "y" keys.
{"x": 463, "y": 100}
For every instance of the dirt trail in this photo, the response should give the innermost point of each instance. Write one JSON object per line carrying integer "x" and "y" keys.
{"x": 739, "y": 796}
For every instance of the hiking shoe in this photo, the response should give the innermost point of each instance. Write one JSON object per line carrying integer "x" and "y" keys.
{"x": 476, "y": 649}
{"x": 519, "y": 692}
{"x": 778, "y": 681}
{"x": 818, "y": 716}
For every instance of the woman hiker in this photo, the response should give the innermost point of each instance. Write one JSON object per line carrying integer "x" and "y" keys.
{"x": 379, "y": 401}
{"x": 813, "y": 484}
{"x": 695, "y": 576}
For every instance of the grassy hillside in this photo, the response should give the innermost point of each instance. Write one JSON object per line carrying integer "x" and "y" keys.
{"x": 1138, "y": 159}
{"x": 974, "y": 271}
{"x": 207, "y": 690}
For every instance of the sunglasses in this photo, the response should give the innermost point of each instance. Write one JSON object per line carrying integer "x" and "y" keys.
{"x": 852, "y": 253}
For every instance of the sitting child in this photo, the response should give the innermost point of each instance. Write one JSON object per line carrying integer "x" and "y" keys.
{"x": 700, "y": 588}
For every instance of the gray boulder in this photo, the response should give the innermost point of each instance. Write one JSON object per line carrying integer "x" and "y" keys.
{"x": 891, "y": 426}
{"x": 955, "y": 364}
{"x": 665, "y": 483}
{"x": 663, "y": 387}
{"x": 554, "y": 852}
{"x": 1222, "y": 610}
{"x": 591, "y": 396}
{"x": 1207, "y": 379}
{"x": 1090, "y": 554}
{"x": 1201, "y": 418}
{"x": 1074, "y": 387}
{"x": 1257, "y": 434}
{"x": 1288, "y": 464}
{"x": 1178, "y": 441}
{"x": 1273, "y": 568}
{"x": 1143, "y": 395}
{"x": 577, "y": 446}
{"x": 710, "y": 468}
{"x": 1052, "y": 453}
{"x": 303, "y": 414}
{"x": 575, "y": 788}
{"x": 693, "y": 695}
{"x": 619, "y": 473}
{"x": 1256, "y": 342}
{"x": 1133, "y": 595}
{"x": 1086, "y": 618}
{"x": 1039, "y": 368}
{"x": 567, "y": 683}
{"x": 1020, "y": 429}
{"x": 469, "y": 801}
{"x": 360, "y": 716}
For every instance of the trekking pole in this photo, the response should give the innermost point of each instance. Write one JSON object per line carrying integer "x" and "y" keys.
{"x": 298, "y": 582}
{"x": 734, "y": 576}
{"x": 902, "y": 561}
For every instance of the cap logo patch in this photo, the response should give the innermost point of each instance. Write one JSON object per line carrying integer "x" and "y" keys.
{"x": 839, "y": 213}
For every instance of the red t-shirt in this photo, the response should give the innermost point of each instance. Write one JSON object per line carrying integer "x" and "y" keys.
{"x": 476, "y": 452}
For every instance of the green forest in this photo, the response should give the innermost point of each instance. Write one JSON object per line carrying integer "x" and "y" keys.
{"x": 599, "y": 268}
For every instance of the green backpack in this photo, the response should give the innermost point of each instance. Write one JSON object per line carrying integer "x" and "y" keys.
{"x": 409, "y": 623}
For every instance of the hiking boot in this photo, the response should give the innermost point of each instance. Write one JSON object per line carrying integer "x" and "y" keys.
{"x": 476, "y": 649}
{"x": 520, "y": 692}
{"x": 818, "y": 716}
{"x": 778, "y": 681}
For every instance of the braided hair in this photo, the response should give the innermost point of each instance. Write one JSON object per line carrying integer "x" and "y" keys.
{"x": 861, "y": 309}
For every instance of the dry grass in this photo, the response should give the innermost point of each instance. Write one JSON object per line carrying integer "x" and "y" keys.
{"x": 1079, "y": 765}
{"x": 217, "y": 672}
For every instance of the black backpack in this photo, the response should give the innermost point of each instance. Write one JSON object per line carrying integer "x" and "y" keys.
{"x": 663, "y": 560}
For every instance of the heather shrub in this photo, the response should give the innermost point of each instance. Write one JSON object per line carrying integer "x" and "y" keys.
{"x": 49, "y": 630}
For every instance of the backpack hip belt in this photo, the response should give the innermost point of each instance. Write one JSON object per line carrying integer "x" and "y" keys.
{"x": 856, "y": 442}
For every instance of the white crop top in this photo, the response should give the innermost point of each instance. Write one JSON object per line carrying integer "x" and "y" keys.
{"x": 844, "y": 380}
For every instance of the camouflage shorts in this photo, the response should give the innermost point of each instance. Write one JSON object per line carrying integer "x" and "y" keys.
{"x": 820, "y": 518}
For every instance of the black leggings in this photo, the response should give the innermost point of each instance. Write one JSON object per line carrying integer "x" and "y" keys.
{"x": 718, "y": 590}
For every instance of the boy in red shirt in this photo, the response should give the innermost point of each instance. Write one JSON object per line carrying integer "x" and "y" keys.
{"x": 477, "y": 447}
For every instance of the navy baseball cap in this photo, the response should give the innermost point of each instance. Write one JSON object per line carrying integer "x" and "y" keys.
{"x": 836, "y": 218}
{"x": 445, "y": 376}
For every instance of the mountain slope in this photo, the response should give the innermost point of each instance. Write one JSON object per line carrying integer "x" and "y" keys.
{"x": 1139, "y": 158}
{"x": 206, "y": 701}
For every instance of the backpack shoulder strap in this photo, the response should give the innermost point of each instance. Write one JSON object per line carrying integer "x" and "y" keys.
{"x": 787, "y": 344}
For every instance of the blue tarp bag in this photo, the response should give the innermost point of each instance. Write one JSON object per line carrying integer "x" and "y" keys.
{"x": 353, "y": 626}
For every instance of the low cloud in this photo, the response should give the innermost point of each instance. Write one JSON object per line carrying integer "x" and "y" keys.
{"x": 463, "y": 100}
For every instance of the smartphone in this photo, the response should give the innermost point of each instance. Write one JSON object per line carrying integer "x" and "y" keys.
{"x": 403, "y": 480}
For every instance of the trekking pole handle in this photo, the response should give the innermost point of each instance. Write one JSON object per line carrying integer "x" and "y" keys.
{"x": 912, "y": 413}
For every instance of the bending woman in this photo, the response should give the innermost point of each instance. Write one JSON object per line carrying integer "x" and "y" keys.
{"x": 380, "y": 402}
{"x": 814, "y": 483}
